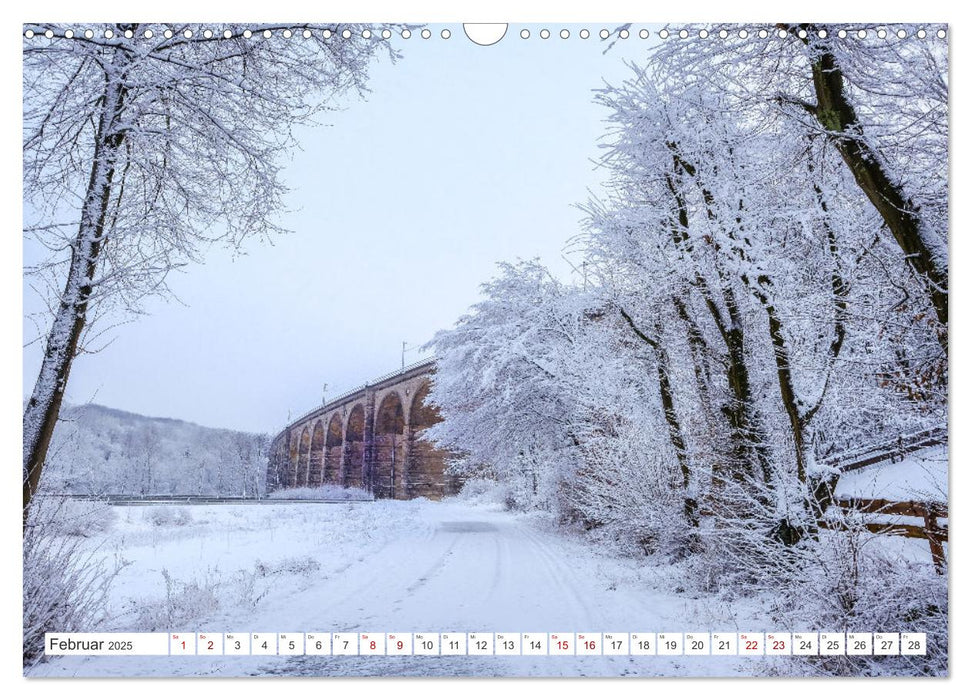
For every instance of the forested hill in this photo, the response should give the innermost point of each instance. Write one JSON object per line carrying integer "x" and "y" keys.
{"x": 96, "y": 449}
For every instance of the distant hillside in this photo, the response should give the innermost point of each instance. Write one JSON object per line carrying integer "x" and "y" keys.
{"x": 96, "y": 449}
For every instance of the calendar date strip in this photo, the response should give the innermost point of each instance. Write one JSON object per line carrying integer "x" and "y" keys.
{"x": 486, "y": 644}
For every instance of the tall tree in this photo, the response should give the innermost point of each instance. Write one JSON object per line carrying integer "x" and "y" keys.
{"x": 144, "y": 144}
{"x": 880, "y": 97}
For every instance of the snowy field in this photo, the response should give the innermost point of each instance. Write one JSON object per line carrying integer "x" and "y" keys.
{"x": 386, "y": 566}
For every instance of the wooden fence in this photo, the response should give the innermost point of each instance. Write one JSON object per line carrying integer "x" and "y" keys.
{"x": 930, "y": 512}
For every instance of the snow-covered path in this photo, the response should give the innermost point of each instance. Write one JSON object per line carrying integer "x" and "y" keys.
{"x": 407, "y": 567}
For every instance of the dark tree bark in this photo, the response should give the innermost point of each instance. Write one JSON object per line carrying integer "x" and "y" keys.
{"x": 44, "y": 405}
{"x": 836, "y": 114}
{"x": 675, "y": 432}
{"x": 749, "y": 450}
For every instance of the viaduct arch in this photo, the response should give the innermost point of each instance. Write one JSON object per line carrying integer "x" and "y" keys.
{"x": 369, "y": 438}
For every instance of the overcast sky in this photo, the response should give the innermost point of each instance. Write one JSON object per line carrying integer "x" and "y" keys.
{"x": 401, "y": 204}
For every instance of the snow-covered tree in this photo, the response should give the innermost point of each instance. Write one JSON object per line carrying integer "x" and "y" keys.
{"x": 744, "y": 313}
{"x": 878, "y": 97}
{"x": 146, "y": 143}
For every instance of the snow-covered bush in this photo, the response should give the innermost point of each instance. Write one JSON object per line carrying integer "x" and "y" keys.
{"x": 859, "y": 582}
{"x": 65, "y": 588}
{"x": 184, "y": 603}
{"x": 68, "y": 516}
{"x": 167, "y": 516}
{"x": 481, "y": 489}
{"x": 302, "y": 566}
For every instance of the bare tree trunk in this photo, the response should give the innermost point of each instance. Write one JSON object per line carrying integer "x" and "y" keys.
{"x": 749, "y": 448}
{"x": 44, "y": 405}
{"x": 836, "y": 114}
{"x": 675, "y": 432}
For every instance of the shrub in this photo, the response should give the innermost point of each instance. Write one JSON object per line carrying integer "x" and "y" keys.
{"x": 185, "y": 602}
{"x": 304, "y": 566}
{"x": 65, "y": 588}
{"x": 166, "y": 516}
{"x": 71, "y": 517}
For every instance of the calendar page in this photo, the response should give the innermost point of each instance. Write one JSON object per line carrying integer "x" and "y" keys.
{"x": 442, "y": 349}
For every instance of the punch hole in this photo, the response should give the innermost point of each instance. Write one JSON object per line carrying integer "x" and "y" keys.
{"x": 488, "y": 34}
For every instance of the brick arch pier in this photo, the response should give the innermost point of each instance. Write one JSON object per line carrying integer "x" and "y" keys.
{"x": 370, "y": 438}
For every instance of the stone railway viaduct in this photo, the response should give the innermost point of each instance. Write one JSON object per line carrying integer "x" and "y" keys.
{"x": 368, "y": 438}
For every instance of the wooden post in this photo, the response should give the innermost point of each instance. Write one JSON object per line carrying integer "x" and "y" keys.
{"x": 933, "y": 532}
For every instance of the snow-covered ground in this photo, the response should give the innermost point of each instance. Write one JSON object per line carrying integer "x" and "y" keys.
{"x": 387, "y": 566}
{"x": 919, "y": 476}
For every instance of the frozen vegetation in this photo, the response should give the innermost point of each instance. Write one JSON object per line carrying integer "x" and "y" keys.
{"x": 99, "y": 450}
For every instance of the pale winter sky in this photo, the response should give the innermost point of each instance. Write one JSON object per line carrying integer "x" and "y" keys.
{"x": 401, "y": 204}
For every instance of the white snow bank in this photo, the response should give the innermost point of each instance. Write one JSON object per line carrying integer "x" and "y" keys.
{"x": 921, "y": 476}
{"x": 326, "y": 492}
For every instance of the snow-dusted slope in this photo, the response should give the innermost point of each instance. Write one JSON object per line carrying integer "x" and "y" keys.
{"x": 97, "y": 450}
